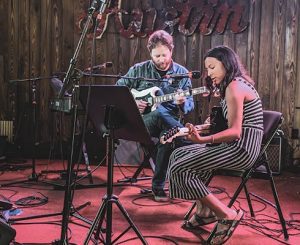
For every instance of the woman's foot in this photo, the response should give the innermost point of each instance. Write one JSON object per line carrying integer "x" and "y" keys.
{"x": 198, "y": 220}
{"x": 225, "y": 227}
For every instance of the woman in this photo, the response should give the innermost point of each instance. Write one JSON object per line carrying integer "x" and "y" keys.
{"x": 190, "y": 166}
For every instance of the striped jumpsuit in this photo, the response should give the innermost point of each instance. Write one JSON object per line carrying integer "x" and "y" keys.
{"x": 190, "y": 166}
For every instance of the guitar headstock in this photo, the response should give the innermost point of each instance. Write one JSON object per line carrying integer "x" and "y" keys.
{"x": 170, "y": 135}
{"x": 175, "y": 132}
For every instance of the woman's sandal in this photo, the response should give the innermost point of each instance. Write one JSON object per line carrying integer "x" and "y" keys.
{"x": 226, "y": 233}
{"x": 196, "y": 221}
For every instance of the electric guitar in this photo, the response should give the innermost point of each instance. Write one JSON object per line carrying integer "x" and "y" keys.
{"x": 175, "y": 132}
{"x": 217, "y": 124}
{"x": 151, "y": 96}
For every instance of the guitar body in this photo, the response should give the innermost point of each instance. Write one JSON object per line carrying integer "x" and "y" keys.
{"x": 147, "y": 95}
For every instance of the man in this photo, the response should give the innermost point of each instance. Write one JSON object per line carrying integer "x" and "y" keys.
{"x": 166, "y": 116}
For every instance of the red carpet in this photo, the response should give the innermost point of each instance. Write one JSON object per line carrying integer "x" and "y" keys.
{"x": 159, "y": 223}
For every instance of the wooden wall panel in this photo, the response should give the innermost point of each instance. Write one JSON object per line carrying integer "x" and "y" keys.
{"x": 56, "y": 37}
{"x": 13, "y": 37}
{"x": 254, "y": 39}
{"x": 180, "y": 52}
{"x": 68, "y": 24}
{"x": 3, "y": 90}
{"x": 193, "y": 50}
{"x": 35, "y": 86}
{"x": 4, "y": 107}
{"x": 3, "y": 25}
{"x": 278, "y": 52}
{"x": 16, "y": 63}
{"x": 45, "y": 69}
{"x": 41, "y": 37}
{"x": 124, "y": 53}
{"x": 296, "y": 121}
{"x": 265, "y": 49}
{"x": 135, "y": 48}
{"x": 291, "y": 39}
{"x": 79, "y": 10}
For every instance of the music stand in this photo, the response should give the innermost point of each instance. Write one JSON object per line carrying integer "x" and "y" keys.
{"x": 113, "y": 111}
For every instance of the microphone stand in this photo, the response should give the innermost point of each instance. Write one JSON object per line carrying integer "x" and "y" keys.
{"x": 125, "y": 77}
{"x": 68, "y": 192}
{"x": 34, "y": 176}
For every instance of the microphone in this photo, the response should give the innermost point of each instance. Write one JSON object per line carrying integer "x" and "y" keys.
{"x": 190, "y": 74}
{"x": 98, "y": 67}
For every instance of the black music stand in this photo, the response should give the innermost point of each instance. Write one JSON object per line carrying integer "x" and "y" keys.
{"x": 113, "y": 111}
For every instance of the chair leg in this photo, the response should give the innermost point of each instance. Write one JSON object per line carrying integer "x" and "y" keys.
{"x": 278, "y": 208}
{"x": 232, "y": 200}
{"x": 239, "y": 189}
{"x": 276, "y": 199}
{"x": 188, "y": 214}
{"x": 249, "y": 201}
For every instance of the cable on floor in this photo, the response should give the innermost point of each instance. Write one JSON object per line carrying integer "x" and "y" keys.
{"x": 32, "y": 201}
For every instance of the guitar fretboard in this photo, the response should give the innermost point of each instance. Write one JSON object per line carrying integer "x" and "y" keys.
{"x": 168, "y": 97}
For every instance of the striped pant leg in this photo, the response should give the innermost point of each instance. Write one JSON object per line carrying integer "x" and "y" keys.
{"x": 191, "y": 166}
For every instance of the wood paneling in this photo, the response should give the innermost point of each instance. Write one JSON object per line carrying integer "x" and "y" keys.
{"x": 254, "y": 39}
{"x": 40, "y": 38}
{"x": 290, "y": 63}
{"x": 277, "y": 61}
{"x": 265, "y": 49}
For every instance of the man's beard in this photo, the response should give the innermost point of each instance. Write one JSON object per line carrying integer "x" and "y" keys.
{"x": 162, "y": 66}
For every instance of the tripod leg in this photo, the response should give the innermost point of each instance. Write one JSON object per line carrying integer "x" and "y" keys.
{"x": 99, "y": 217}
{"x": 106, "y": 208}
{"x": 132, "y": 225}
{"x": 100, "y": 229}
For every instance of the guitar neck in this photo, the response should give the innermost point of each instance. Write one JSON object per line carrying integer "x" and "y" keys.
{"x": 179, "y": 132}
{"x": 185, "y": 131}
{"x": 169, "y": 97}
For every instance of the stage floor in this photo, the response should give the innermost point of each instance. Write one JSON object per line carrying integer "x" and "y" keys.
{"x": 159, "y": 223}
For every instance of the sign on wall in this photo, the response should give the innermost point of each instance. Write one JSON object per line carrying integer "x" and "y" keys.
{"x": 186, "y": 16}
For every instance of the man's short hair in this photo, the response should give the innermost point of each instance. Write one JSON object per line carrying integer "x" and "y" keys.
{"x": 160, "y": 37}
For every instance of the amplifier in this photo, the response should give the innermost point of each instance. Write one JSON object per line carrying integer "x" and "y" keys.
{"x": 6, "y": 129}
{"x": 274, "y": 152}
{"x": 129, "y": 152}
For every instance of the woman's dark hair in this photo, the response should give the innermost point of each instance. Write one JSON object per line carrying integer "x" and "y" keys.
{"x": 231, "y": 63}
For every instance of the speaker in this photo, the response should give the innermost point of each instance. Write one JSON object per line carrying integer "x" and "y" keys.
{"x": 274, "y": 153}
{"x": 7, "y": 233}
{"x": 129, "y": 152}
